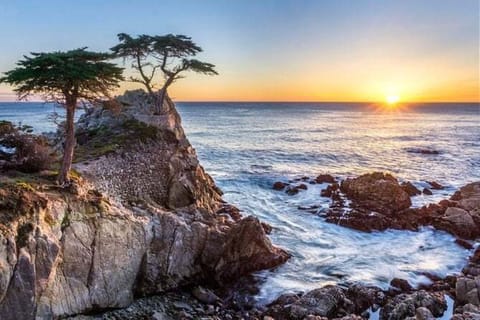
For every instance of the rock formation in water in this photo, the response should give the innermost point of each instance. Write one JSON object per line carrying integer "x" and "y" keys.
{"x": 377, "y": 201}
{"x": 142, "y": 217}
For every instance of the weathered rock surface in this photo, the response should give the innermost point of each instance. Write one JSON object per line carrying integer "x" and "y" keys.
{"x": 378, "y": 192}
{"x": 146, "y": 218}
{"x": 379, "y": 202}
{"x": 329, "y": 302}
{"x": 404, "y": 306}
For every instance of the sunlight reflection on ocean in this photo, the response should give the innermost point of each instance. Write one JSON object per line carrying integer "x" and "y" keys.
{"x": 248, "y": 146}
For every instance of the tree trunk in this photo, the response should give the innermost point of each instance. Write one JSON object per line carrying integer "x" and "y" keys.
{"x": 63, "y": 176}
{"x": 163, "y": 93}
{"x": 159, "y": 102}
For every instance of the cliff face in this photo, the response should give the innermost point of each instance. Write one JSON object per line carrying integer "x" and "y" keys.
{"x": 144, "y": 217}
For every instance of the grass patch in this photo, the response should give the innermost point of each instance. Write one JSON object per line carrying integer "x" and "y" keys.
{"x": 105, "y": 140}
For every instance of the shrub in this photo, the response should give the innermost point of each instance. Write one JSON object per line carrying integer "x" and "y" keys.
{"x": 26, "y": 152}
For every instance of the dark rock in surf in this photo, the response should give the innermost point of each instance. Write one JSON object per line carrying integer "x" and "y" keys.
{"x": 401, "y": 284}
{"x": 325, "y": 178}
{"x": 376, "y": 191}
{"x": 464, "y": 243}
{"x": 423, "y": 151}
{"x": 279, "y": 185}
{"x": 409, "y": 188}
{"x": 330, "y": 190}
{"x": 427, "y": 191}
{"x": 435, "y": 185}
{"x": 293, "y": 190}
{"x": 458, "y": 222}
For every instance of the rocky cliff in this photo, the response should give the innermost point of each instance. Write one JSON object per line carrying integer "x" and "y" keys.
{"x": 141, "y": 217}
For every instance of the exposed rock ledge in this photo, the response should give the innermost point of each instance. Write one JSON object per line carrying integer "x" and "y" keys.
{"x": 145, "y": 218}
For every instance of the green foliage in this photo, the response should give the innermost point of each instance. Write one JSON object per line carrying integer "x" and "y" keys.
{"x": 170, "y": 53}
{"x": 65, "y": 78}
{"x": 103, "y": 140}
{"x": 31, "y": 153}
{"x": 59, "y": 75}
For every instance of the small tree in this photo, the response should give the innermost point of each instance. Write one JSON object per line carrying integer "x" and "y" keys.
{"x": 169, "y": 53}
{"x": 66, "y": 78}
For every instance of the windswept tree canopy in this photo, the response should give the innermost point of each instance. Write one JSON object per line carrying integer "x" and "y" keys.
{"x": 65, "y": 78}
{"x": 59, "y": 75}
{"x": 170, "y": 53}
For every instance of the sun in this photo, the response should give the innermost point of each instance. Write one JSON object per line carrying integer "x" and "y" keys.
{"x": 392, "y": 99}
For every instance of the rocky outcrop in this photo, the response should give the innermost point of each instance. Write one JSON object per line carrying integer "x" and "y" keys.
{"x": 379, "y": 202}
{"x": 329, "y": 302}
{"x": 407, "y": 306}
{"x": 143, "y": 218}
{"x": 376, "y": 191}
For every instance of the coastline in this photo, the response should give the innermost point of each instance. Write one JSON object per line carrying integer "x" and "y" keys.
{"x": 234, "y": 307}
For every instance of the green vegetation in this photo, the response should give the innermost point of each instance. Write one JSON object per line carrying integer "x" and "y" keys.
{"x": 66, "y": 78}
{"x": 30, "y": 153}
{"x": 104, "y": 140}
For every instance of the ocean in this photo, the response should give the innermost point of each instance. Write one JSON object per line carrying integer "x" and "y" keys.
{"x": 246, "y": 147}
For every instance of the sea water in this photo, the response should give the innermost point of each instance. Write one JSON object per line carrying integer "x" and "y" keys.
{"x": 246, "y": 147}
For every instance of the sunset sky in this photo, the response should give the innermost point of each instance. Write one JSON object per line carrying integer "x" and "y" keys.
{"x": 276, "y": 50}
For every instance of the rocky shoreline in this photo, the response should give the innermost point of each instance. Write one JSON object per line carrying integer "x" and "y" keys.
{"x": 140, "y": 218}
{"x": 346, "y": 302}
{"x": 376, "y": 202}
{"x": 143, "y": 233}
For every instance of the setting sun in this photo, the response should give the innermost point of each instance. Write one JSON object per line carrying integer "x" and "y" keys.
{"x": 392, "y": 99}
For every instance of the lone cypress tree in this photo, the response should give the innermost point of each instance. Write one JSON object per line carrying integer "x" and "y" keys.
{"x": 66, "y": 78}
{"x": 169, "y": 53}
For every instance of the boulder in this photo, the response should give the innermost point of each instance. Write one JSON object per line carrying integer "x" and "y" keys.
{"x": 435, "y": 185}
{"x": 467, "y": 291}
{"x": 330, "y": 190}
{"x": 409, "y": 188}
{"x": 376, "y": 191}
{"x": 404, "y": 306}
{"x": 325, "y": 178}
{"x": 319, "y": 302}
{"x": 427, "y": 191}
{"x": 458, "y": 222}
{"x": 279, "y": 185}
{"x": 401, "y": 284}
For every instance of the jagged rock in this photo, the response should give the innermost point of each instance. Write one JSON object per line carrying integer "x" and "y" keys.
{"x": 378, "y": 192}
{"x": 468, "y": 291}
{"x": 459, "y": 216}
{"x": 319, "y": 302}
{"x": 409, "y": 188}
{"x": 330, "y": 190}
{"x": 401, "y": 284}
{"x": 325, "y": 178}
{"x": 458, "y": 222}
{"x": 142, "y": 219}
{"x": 435, "y": 185}
{"x": 427, "y": 191}
{"x": 205, "y": 295}
{"x": 423, "y": 313}
{"x": 326, "y": 303}
{"x": 406, "y": 305}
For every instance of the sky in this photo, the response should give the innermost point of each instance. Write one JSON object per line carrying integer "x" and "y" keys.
{"x": 275, "y": 50}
